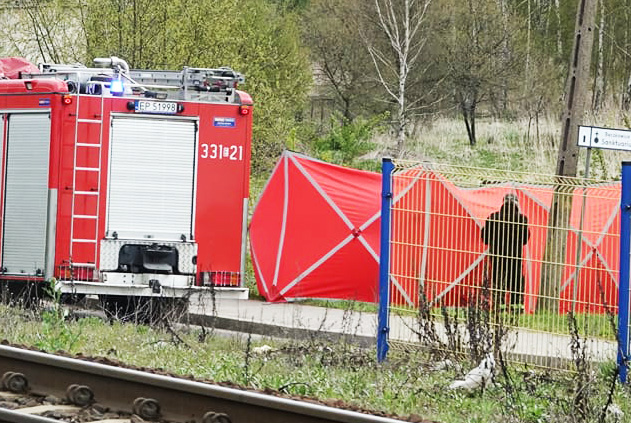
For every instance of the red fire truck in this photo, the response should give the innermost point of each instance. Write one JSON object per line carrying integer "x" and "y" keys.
{"x": 119, "y": 182}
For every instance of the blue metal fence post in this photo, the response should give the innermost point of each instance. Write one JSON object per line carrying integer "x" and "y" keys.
{"x": 384, "y": 260}
{"x": 623, "y": 283}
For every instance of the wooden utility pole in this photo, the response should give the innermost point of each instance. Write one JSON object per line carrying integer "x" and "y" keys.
{"x": 576, "y": 94}
{"x": 577, "y": 88}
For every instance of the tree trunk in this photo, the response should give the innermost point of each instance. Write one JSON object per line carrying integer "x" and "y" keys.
{"x": 473, "y": 140}
{"x": 599, "y": 86}
{"x": 401, "y": 127}
{"x": 626, "y": 90}
{"x": 503, "y": 100}
{"x": 527, "y": 64}
{"x": 348, "y": 114}
{"x": 557, "y": 13}
{"x": 469, "y": 121}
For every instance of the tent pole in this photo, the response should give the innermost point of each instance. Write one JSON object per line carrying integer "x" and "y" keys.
{"x": 427, "y": 220}
{"x": 384, "y": 260}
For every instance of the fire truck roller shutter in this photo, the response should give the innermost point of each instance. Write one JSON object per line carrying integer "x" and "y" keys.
{"x": 151, "y": 178}
{"x": 26, "y": 194}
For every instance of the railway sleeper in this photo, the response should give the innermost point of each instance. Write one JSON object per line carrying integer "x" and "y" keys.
{"x": 81, "y": 396}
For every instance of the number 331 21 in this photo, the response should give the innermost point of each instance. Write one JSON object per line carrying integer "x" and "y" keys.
{"x": 221, "y": 152}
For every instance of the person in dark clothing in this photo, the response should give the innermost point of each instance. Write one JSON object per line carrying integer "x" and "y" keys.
{"x": 506, "y": 232}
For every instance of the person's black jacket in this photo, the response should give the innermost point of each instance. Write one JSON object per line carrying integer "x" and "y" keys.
{"x": 506, "y": 232}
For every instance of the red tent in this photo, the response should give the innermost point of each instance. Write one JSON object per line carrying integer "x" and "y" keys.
{"x": 315, "y": 232}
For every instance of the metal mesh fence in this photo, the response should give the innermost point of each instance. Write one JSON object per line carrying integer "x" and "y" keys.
{"x": 489, "y": 259}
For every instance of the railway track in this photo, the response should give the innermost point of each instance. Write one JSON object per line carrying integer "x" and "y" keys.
{"x": 47, "y": 388}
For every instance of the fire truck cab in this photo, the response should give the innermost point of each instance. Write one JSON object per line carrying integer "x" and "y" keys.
{"x": 120, "y": 182}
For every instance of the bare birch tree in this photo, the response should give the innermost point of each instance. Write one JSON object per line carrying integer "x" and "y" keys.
{"x": 402, "y": 22}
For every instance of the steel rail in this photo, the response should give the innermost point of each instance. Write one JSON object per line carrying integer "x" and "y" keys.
{"x": 12, "y": 416}
{"x": 170, "y": 398}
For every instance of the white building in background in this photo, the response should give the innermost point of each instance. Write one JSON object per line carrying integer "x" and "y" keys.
{"x": 41, "y": 34}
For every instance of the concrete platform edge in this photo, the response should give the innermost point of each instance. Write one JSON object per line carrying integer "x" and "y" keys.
{"x": 274, "y": 331}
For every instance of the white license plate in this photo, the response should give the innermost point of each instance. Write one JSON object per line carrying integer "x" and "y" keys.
{"x": 165, "y": 107}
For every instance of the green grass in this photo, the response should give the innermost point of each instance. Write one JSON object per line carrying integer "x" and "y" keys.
{"x": 589, "y": 324}
{"x": 501, "y": 145}
{"x": 343, "y": 305}
{"x": 407, "y": 384}
{"x": 518, "y": 145}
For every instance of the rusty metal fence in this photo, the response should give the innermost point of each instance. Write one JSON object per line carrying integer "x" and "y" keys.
{"x": 495, "y": 260}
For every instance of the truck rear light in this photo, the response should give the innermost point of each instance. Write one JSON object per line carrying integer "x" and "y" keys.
{"x": 67, "y": 100}
{"x": 65, "y": 273}
{"x": 245, "y": 109}
{"x": 221, "y": 279}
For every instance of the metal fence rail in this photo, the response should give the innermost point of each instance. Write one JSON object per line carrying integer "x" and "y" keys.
{"x": 499, "y": 260}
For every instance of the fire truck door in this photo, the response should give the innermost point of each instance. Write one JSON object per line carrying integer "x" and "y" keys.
{"x": 26, "y": 194}
{"x": 151, "y": 178}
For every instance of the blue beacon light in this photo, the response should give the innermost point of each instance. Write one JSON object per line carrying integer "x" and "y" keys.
{"x": 117, "y": 87}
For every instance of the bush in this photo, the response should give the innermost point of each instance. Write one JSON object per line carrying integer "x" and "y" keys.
{"x": 348, "y": 140}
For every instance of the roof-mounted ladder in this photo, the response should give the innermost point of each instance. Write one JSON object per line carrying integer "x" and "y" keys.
{"x": 210, "y": 84}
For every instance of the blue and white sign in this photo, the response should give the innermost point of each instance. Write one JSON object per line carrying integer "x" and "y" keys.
{"x": 44, "y": 102}
{"x": 595, "y": 137}
{"x": 224, "y": 122}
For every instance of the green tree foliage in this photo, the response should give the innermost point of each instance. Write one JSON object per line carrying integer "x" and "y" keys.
{"x": 251, "y": 36}
{"x": 348, "y": 140}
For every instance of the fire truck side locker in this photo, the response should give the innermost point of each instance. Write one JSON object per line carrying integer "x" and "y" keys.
{"x": 26, "y": 194}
